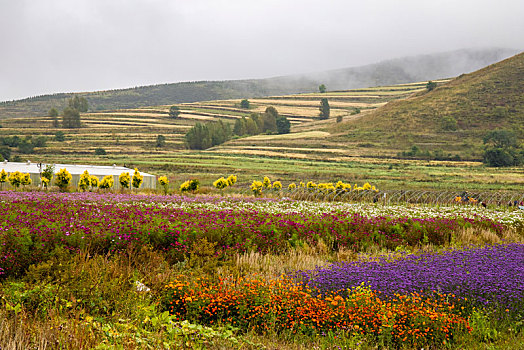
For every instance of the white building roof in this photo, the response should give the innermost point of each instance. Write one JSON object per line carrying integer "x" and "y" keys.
{"x": 74, "y": 169}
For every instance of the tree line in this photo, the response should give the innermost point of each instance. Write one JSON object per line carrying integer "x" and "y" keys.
{"x": 70, "y": 114}
{"x": 204, "y": 136}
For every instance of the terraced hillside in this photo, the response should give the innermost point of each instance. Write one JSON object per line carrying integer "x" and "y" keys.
{"x": 310, "y": 152}
{"x": 134, "y": 131}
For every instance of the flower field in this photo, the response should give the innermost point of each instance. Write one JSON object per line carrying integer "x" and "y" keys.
{"x": 491, "y": 277}
{"x": 391, "y": 276}
{"x": 34, "y": 224}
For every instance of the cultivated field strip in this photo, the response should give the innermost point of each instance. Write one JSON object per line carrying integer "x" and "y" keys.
{"x": 134, "y": 132}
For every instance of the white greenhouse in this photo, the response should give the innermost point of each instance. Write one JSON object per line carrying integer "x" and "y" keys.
{"x": 35, "y": 169}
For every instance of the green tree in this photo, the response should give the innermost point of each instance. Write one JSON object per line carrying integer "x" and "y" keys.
{"x": 324, "y": 108}
{"x": 5, "y": 152}
{"x": 53, "y": 114}
{"x": 48, "y": 172}
{"x": 60, "y": 136}
{"x": 322, "y": 88}
{"x": 269, "y": 119}
{"x": 283, "y": 125}
{"x": 174, "y": 112}
{"x": 160, "y": 141}
{"x": 71, "y": 118}
{"x": 502, "y": 149}
{"x": 78, "y": 103}
{"x": 431, "y": 85}
{"x": 240, "y": 126}
{"x": 204, "y": 136}
{"x": 244, "y": 104}
{"x": 26, "y": 146}
{"x": 100, "y": 151}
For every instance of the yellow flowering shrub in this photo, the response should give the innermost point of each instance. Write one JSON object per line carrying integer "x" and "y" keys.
{"x": 231, "y": 180}
{"x": 63, "y": 179}
{"x": 266, "y": 182}
{"x": 220, "y": 183}
{"x": 292, "y": 186}
{"x": 164, "y": 182}
{"x": 95, "y": 182}
{"x": 137, "y": 179}
{"x": 107, "y": 182}
{"x": 26, "y": 179}
{"x": 257, "y": 187}
{"x": 124, "y": 179}
{"x": 85, "y": 181}
{"x": 277, "y": 185}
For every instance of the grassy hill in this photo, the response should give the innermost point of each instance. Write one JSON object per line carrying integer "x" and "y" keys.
{"x": 452, "y": 118}
{"x": 396, "y": 71}
{"x": 315, "y": 149}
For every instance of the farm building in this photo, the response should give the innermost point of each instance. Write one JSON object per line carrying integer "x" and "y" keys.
{"x": 35, "y": 169}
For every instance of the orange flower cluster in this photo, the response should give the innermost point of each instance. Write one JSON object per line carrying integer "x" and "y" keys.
{"x": 281, "y": 304}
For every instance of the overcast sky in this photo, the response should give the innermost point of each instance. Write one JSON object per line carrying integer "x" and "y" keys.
{"x": 49, "y": 46}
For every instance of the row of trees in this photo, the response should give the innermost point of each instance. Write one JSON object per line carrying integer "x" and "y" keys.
{"x": 24, "y": 145}
{"x": 63, "y": 179}
{"x": 268, "y": 122}
{"x": 204, "y": 136}
{"x": 71, "y": 114}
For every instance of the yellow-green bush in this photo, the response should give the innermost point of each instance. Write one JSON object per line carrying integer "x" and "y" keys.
{"x": 107, "y": 182}
{"x": 85, "y": 181}
{"x": 137, "y": 179}
{"x": 124, "y": 179}
{"x": 63, "y": 179}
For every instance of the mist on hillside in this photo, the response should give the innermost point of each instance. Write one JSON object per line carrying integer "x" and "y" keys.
{"x": 400, "y": 70}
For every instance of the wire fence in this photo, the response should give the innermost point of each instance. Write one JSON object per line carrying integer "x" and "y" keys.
{"x": 430, "y": 197}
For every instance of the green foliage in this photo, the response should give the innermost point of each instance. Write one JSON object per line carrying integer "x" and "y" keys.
{"x": 63, "y": 179}
{"x": 60, "y": 136}
{"x": 431, "y": 85}
{"x": 53, "y": 114}
{"x": 502, "y": 149}
{"x": 244, "y": 104}
{"x": 449, "y": 123}
{"x": 78, "y": 103}
{"x": 48, "y": 172}
{"x": 71, "y": 118}
{"x": 99, "y": 151}
{"x": 174, "y": 112}
{"x": 204, "y": 136}
{"x": 283, "y": 125}
{"x": 26, "y": 146}
{"x": 5, "y": 152}
{"x": 160, "y": 141}
{"x": 501, "y": 138}
{"x": 322, "y": 88}
{"x": 269, "y": 119}
{"x": 324, "y": 108}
